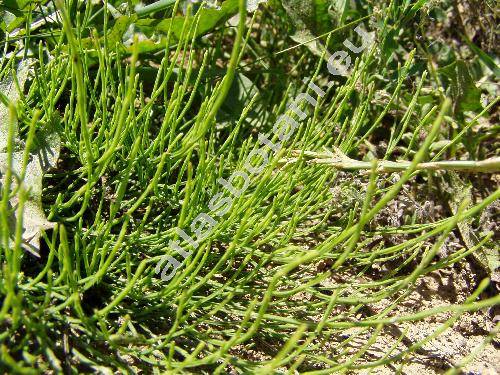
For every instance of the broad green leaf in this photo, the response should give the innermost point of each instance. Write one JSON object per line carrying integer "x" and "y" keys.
{"x": 115, "y": 33}
{"x": 485, "y": 58}
{"x": 120, "y": 26}
{"x": 14, "y": 24}
{"x": 13, "y": 5}
{"x": 241, "y": 93}
{"x": 459, "y": 191}
{"x": 311, "y": 18}
{"x": 308, "y": 39}
{"x": 11, "y": 13}
{"x": 466, "y": 96}
{"x": 10, "y": 19}
{"x": 308, "y": 14}
{"x": 209, "y": 19}
{"x": 43, "y": 156}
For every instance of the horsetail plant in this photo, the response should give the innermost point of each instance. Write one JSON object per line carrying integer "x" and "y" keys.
{"x": 300, "y": 272}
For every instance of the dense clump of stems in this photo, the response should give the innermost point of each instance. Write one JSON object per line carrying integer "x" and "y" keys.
{"x": 290, "y": 270}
